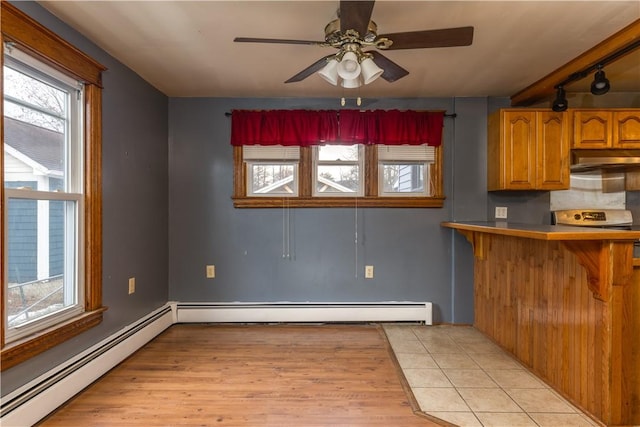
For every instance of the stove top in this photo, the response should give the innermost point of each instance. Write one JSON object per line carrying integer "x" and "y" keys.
{"x": 609, "y": 218}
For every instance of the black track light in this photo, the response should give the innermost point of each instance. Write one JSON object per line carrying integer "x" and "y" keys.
{"x": 560, "y": 103}
{"x": 600, "y": 84}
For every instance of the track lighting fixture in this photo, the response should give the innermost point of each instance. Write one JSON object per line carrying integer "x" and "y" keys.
{"x": 560, "y": 103}
{"x": 600, "y": 84}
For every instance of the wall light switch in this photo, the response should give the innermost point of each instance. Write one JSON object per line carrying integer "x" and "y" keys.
{"x": 132, "y": 285}
{"x": 211, "y": 271}
{"x": 368, "y": 271}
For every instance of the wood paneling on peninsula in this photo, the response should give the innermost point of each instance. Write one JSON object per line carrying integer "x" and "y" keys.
{"x": 568, "y": 309}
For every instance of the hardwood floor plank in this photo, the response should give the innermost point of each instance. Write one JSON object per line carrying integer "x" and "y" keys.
{"x": 259, "y": 375}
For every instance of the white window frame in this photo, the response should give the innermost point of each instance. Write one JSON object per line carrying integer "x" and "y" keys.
{"x": 361, "y": 172}
{"x": 275, "y": 155}
{"x": 406, "y": 155}
{"x": 72, "y": 192}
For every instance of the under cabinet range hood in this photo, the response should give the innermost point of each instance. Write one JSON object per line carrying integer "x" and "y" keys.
{"x": 609, "y": 160}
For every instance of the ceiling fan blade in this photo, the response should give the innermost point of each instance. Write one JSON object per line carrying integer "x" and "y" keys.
{"x": 316, "y": 66}
{"x": 355, "y": 15}
{"x": 282, "y": 41}
{"x": 392, "y": 71}
{"x": 447, "y": 37}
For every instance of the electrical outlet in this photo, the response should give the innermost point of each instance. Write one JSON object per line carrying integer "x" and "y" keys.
{"x": 368, "y": 271}
{"x": 211, "y": 271}
{"x": 132, "y": 285}
{"x": 501, "y": 212}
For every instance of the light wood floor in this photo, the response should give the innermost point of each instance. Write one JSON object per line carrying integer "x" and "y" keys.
{"x": 267, "y": 375}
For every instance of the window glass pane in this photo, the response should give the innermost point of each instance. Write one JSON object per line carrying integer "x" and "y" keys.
{"x": 42, "y": 104}
{"x": 338, "y": 152}
{"x": 273, "y": 179}
{"x": 403, "y": 178}
{"x": 41, "y": 258}
{"x": 337, "y": 179}
{"x": 35, "y": 131}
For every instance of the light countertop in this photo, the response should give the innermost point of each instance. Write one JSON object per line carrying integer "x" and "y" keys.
{"x": 544, "y": 232}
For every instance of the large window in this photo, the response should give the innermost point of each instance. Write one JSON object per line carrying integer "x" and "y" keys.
{"x": 43, "y": 147}
{"x": 51, "y": 169}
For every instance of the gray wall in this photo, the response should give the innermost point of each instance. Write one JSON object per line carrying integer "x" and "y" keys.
{"x": 411, "y": 252}
{"x": 168, "y": 213}
{"x": 135, "y": 219}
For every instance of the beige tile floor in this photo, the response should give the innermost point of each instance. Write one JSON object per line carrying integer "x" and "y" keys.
{"x": 458, "y": 375}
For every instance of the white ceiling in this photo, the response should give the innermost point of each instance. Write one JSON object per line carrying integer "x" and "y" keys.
{"x": 186, "y": 48}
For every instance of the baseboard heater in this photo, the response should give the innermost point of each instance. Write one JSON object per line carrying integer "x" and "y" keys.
{"x": 304, "y": 312}
{"x": 36, "y": 399}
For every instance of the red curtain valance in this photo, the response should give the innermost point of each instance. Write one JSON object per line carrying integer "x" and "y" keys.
{"x": 314, "y": 127}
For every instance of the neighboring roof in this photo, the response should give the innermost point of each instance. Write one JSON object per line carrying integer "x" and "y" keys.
{"x": 269, "y": 188}
{"x": 328, "y": 185}
{"x": 44, "y": 146}
{"x": 333, "y": 186}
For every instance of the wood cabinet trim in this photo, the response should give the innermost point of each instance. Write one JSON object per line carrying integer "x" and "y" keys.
{"x": 520, "y": 155}
{"x": 617, "y": 128}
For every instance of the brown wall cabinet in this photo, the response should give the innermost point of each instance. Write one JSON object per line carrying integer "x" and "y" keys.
{"x": 528, "y": 150}
{"x": 611, "y": 128}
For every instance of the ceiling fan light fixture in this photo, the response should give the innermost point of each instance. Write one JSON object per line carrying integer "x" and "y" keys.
{"x": 560, "y": 103}
{"x": 349, "y": 67}
{"x": 353, "y": 31}
{"x": 352, "y": 83}
{"x": 600, "y": 84}
{"x": 330, "y": 72}
{"x": 370, "y": 71}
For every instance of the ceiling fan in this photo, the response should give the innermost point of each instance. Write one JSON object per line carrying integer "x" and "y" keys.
{"x": 353, "y": 32}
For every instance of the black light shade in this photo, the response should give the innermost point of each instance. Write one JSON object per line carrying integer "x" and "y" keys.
{"x": 600, "y": 84}
{"x": 560, "y": 103}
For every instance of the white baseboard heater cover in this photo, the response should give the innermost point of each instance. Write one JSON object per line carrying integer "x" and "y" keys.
{"x": 304, "y": 312}
{"x": 36, "y": 399}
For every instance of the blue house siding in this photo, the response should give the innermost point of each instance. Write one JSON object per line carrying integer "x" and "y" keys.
{"x": 22, "y": 245}
{"x": 409, "y": 178}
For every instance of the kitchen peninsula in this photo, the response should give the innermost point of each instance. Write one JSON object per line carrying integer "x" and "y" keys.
{"x": 565, "y": 301}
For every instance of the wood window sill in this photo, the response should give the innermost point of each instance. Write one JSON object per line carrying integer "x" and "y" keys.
{"x": 338, "y": 202}
{"x": 19, "y": 351}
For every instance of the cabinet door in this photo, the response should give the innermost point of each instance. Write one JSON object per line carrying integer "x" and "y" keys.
{"x": 519, "y": 150}
{"x": 552, "y": 172}
{"x": 592, "y": 129}
{"x": 626, "y": 129}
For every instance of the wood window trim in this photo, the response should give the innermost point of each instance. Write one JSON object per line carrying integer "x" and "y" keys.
{"x": 306, "y": 200}
{"x": 34, "y": 39}
{"x": 42, "y": 43}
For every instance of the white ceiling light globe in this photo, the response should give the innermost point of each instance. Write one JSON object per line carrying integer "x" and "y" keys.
{"x": 349, "y": 68}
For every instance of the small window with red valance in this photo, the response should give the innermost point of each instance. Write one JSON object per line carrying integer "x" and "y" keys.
{"x": 408, "y": 173}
